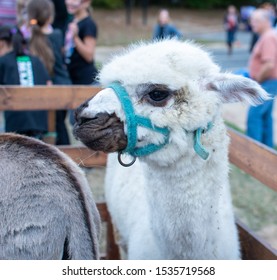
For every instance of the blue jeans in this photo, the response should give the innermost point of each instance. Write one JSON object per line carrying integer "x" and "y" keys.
{"x": 259, "y": 120}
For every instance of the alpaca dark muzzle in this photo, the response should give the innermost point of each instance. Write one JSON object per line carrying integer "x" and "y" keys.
{"x": 79, "y": 110}
{"x": 102, "y": 132}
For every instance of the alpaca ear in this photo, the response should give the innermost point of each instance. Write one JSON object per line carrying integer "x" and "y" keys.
{"x": 235, "y": 88}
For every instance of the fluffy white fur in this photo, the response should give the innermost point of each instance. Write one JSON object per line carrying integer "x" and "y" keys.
{"x": 173, "y": 204}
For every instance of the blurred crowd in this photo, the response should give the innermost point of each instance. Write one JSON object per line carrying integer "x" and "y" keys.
{"x": 235, "y": 20}
{"x": 44, "y": 42}
{"x": 262, "y": 65}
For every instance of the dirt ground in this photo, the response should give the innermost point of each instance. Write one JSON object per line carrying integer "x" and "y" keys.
{"x": 114, "y": 31}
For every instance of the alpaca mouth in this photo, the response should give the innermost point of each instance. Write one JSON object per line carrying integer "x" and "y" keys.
{"x": 103, "y": 132}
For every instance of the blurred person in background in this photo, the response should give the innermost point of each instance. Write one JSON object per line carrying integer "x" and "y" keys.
{"x": 271, "y": 10}
{"x": 61, "y": 17}
{"x": 8, "y": 12}
{"x": 19, "y": 68}
{"x": 245, "y": 13}
{"x": 22, "y": 18}
{"x": 80, "y": 45}
{"x": 7, "y": 17}
{"x": 272, "y": 15}
{"x": 47, "y": 44}
{"x": 263, "y": 69}
{"x": 164, "y": 29}
{"x": 231, "y": 22}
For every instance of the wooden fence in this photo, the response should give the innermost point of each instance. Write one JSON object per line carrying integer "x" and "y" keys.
{"x": 250, "y": 156}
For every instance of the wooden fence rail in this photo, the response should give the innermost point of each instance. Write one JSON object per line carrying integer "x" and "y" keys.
{"x": 44, "y": 98}
{"x": 254, "y": 158}
{"x": 250, "y": 156}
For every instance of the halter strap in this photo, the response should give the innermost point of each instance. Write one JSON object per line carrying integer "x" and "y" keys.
{"x": 133, "y": 121}
{"x": 198, "y": 147}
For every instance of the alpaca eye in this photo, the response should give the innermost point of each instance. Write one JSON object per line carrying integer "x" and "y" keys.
{"x": 158, "y": 95}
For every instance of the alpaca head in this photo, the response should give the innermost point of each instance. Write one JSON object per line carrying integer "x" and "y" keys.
{"x": 175, "y": 85}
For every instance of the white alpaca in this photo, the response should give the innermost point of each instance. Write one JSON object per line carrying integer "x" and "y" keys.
{"x": 173, "y": 203}
{"x": 46, "y": 207}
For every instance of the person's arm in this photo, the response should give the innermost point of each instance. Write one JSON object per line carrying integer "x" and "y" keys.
{"x": 265, "y": 70}
{"x": 85, "y": 48}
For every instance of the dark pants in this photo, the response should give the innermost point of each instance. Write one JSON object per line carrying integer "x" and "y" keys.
{"x": 259, "y": 121}
{"x": 62, "y": 134}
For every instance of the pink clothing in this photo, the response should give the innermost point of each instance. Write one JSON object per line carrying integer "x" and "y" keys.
{"x": 264, "y": 50}
{"x": 232, "y": 21}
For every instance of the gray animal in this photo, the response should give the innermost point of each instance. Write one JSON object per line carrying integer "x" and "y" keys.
{"x": 46, "y": 207}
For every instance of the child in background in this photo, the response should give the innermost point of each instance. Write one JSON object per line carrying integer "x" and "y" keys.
{"x": 18, "y": 68}
{"x": 80, "y": 43}
{"x": 47, "y": 44}
{"x": 6, "y": 39}
{"x": 231, "y": 26}
{"x": 164, "y": 29}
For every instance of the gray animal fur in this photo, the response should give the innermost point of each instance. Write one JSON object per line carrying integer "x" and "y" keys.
{"x": 46, "y": 207}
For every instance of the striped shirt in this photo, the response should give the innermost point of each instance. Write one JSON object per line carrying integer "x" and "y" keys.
{"x": 8, "y": 12}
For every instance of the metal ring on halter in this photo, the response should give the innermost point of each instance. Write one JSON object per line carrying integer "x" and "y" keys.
{"x": 125, "y": 164}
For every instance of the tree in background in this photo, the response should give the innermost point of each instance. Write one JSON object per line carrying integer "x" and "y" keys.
{"x": 110, "y": 4}
{"x": 197, "y": 4}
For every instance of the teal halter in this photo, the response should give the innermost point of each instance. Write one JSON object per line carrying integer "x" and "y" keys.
{"x": 198, "y": 147}
{"x": 133, "y": 121}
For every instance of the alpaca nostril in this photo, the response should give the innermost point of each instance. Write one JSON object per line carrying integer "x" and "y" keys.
{"x": 83, "y": 120}
{"x": 98, "y": 119}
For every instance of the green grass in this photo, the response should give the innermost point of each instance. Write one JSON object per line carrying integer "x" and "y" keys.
{"x": 255, "y": 204}
{"x": 208, "y": 42}
{"x": 233, "y": 126}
